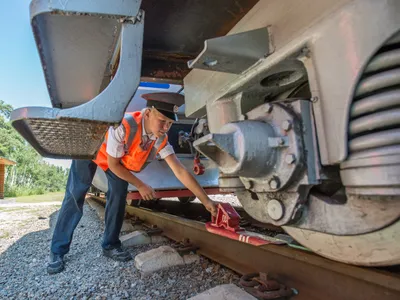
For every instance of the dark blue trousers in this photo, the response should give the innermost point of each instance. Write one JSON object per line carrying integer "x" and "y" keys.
{"x": 79, "y": 180}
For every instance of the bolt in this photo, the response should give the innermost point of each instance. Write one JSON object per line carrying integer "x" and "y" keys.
{"x": 275, "y": 209}
{"x": 267, "y": 108}
{"x": 314, "y": 99}
{"x": 274, "y": 183}
{"x": 290, "y": 158}
{"x": 286, "y": 125}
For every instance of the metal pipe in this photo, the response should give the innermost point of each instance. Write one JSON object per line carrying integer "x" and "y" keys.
{"x": 378, "y": 81}
{"x": 390, "y": 150}
{"x": 383, "y": 61}
{"x": 375, "y": 121}
{"x": 375, "y": 140}
{"x": 175, "y": 193}
{"x": 376, "y": 102}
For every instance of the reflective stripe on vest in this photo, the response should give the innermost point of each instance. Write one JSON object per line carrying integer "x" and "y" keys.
{"x": 133, "y": 129}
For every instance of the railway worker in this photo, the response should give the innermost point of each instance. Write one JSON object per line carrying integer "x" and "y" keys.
{"x": 127, "y": 148}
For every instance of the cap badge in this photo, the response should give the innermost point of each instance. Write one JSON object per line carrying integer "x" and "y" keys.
{"x": 176, "y": 108}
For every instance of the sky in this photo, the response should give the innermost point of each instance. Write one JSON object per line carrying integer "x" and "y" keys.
{"x": 21, "y": 80}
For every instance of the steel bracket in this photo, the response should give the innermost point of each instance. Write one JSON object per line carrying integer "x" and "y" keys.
{"x": 234, "y": 53}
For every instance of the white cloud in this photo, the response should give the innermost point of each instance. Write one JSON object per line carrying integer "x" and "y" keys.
{"x": 65, "y": 163}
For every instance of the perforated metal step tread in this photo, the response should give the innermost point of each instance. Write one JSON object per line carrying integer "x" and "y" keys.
{"x": 62, "y": 138}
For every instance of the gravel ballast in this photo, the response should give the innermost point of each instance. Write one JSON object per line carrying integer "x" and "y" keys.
{"x": 25, "y": 234}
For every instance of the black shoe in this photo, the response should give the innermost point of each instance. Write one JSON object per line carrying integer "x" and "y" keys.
{"x": 117, "y": 254}
{"x": 56, "y": 264}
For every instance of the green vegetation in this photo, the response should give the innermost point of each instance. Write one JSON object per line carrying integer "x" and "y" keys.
{"x": 48, "y": 197}
{"x": 31, "y": 175}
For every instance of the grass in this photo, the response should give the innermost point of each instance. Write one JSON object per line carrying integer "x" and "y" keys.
{"x": 50, "y": 197}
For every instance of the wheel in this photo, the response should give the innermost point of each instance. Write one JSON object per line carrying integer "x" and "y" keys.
{"x": 186, "y": 200}
{"x": 378, "y": 248}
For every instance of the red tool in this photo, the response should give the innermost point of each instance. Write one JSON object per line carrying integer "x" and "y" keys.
{"x": 226, "y": 223}
{"x": 198, "y": 167}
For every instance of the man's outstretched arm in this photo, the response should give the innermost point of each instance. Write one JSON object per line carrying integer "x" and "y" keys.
{"x": 190, "y": 182}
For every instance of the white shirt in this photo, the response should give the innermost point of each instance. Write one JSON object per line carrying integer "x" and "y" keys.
{"x": 116, "y": 145}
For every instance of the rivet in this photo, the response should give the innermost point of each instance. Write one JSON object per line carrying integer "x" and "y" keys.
{"x": 275, "y": 209}
{"x": 274, "y": 183}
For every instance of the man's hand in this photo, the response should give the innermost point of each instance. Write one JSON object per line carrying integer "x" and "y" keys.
{"x": 211, "y": 206}
{"x": 115, "y": 166}
{"x": 191, "y": 183}
{"x": 146, "y": 192}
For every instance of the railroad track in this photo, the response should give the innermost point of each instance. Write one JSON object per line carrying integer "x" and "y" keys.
{"x": 312, "y": 276}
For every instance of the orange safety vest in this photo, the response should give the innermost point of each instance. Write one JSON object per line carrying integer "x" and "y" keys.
{"x": 135, "y": 158}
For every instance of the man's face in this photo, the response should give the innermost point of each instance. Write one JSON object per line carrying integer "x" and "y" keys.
{"x": 158, "y": 123}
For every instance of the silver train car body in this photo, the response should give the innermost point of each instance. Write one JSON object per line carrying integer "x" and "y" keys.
{"x": 301, "y": 97}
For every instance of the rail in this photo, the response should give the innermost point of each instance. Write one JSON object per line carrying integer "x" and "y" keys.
{"x": 312, "y": 276}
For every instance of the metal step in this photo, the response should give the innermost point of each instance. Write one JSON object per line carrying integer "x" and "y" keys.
{"x": 91, "y": 53}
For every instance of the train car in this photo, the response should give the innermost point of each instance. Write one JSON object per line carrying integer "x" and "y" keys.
{"x": 301, "y": 99}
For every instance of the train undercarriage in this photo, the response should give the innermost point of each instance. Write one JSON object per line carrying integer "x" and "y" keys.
{"x": 301, "y": 101}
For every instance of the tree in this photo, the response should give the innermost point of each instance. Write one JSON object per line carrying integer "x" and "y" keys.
{"x": 31, "y": 174}
{"x": 5, "y": 109}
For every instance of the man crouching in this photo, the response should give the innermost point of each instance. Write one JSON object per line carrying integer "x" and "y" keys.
{"x": 126, "y": 149}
